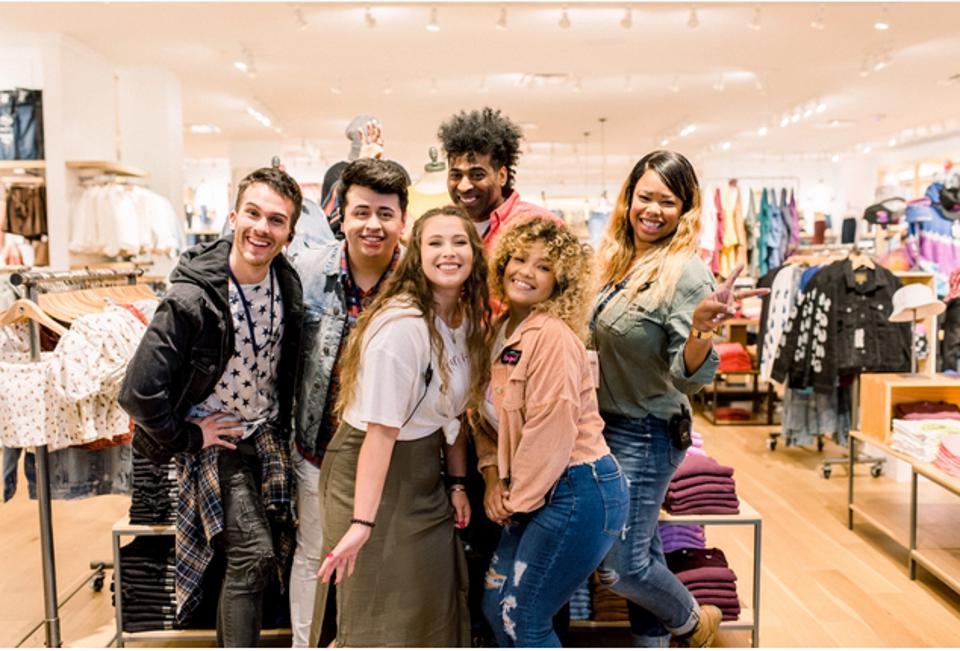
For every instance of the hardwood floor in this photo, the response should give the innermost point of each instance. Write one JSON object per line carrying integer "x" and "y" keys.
{"x": 822, "y": 584}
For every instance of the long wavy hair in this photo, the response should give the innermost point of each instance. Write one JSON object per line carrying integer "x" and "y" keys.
{"x": 408, "y": 286}
{"x": 572, "y": 268}
{"x": 660, "y": 265}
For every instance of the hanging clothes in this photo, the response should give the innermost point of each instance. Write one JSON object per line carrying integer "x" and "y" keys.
{"x": 718, "y": 242}
{"x": 26, "y": 210}
{"x": 777, "y": 236}
{"x": 123, "y": 220}
{"x": 730, "y": 203}
{"x": 795, "y": 226}
{"x": 763, "y": 244}
{"x": 708, "y": 230}
{"x": 752, "y": 226}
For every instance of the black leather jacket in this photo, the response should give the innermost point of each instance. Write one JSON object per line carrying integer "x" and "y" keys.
{"x": 187, "y": 346}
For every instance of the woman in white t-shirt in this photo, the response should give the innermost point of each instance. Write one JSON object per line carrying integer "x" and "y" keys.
{"x": 411, "y": 367}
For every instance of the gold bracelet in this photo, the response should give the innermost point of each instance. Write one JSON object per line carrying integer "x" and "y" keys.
{"x": 701, "y": 334}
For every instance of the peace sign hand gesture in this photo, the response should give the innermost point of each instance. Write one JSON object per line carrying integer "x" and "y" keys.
{"x": 721, "y": 305}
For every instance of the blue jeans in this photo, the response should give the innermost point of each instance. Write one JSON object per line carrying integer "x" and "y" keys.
{"x": 8, "y": 135}
{"x": 544, "y": 556}
{"x": 636, "y": 568}
{"x": 28, "y": 121}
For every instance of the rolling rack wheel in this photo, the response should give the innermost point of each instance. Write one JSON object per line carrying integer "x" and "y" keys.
{"x": 820, "y": 443}
{"x": 99, "y": 575}
{"x": 826, "y": 470}
{"x": 772, "y": 440}
{"x": 876, "y": 470}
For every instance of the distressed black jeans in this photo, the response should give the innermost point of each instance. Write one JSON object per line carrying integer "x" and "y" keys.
{"x": 247, "y": 547}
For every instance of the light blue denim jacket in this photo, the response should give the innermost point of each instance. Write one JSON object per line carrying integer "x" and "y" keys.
{"x": 324, "y": 324}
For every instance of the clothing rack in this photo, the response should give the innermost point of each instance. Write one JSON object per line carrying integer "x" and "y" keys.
{"x": 32, "y": 281}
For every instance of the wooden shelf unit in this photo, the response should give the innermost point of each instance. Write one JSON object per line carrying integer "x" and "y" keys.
{"x": 944, "y": 563}
{"x": 123, "y": 529}
{"x": 749, "y": 619}
{"x": 27, "y": 165}
{"x": 881, "y": 392}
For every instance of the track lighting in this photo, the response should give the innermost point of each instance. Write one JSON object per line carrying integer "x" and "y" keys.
{"x": 627, "y": 21}
{"x": 693, "y": 22}
{"x": 502, "y": 20}
{"x": 369, "y": 19}
{"x": 817, "y": 22}
{"x": 754, "y": 23}
{"x": 564, "y": 20}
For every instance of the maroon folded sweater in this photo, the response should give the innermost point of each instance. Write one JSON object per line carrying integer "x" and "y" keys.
{"x": 706, "y": 574}
{"x": 698, "y": 464}
{"x": 706, "y": 488}
{"x": 706, "y": 510}
{"x": 696, "y": 480}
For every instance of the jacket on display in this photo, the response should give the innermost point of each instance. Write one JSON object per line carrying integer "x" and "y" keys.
{"x": 839, "y": 326}
{"x": 187, "y": 346}
{"x": 950, "y": 322}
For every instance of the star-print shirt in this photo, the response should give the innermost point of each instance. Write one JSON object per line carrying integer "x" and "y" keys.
{"x": 248, "y": 387}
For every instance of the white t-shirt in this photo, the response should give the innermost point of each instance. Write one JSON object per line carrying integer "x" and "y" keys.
{"x": 394, "y": 361}
{"x": 489, "y": 411}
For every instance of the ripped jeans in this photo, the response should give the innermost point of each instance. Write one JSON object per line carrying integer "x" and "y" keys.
{"x": 636, "y": 568}
{"x": 544, "y": 556}
{"x": 247, "y": 546}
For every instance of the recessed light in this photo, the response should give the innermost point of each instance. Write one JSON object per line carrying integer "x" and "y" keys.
{"x": 369, "y": 19}
{"x": 664, "y": 142}
{"x": 627, "y": 21}
{"x": 835, "y": 158}
{"x": 240, "y": 65}
{"x": 762, "y": 131}
{"x": 433, "y": 25}
{"x": 693, "y": 21}
{"x": 204, "y": 128}
{"x": 687, "y": 130}
{"x": 725, "y": 146}
{"x": 564, "y": 20}
{"x": 821, "y": 107}
{"x": 502, "y": 20}
{"x": 892, "y": 142}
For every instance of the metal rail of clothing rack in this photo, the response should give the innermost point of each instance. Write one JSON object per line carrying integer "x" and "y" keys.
{"x": 32, "y": 282}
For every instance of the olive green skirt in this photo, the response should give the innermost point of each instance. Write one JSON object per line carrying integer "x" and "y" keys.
{"x": 409, "y": 585}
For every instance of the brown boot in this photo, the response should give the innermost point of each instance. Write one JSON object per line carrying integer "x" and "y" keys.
{"x": 703, "y": 634}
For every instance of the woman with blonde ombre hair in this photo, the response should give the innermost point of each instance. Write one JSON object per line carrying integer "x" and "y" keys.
{"x": 651, "y": 328}
{"x": 550, "y": 478}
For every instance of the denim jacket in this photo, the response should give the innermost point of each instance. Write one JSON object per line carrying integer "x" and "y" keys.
{"x": 324, "y": 323}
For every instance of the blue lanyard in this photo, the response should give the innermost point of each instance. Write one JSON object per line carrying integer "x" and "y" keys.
{"x": 246, "y": 311}
{"x": 607, "y": 293}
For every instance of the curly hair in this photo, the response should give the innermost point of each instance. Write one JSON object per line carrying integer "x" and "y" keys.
{"x": 408, "y": 286}
{"x": 486, "y": 131}
{"x": 572, "y": 267}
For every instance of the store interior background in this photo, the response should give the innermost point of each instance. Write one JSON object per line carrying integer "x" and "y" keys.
{"x": 810, "y": 92}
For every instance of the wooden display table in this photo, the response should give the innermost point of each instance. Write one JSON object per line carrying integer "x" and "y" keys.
{"x": 749, "y": 619}
{"x": 122, "y": 529}
{"x": 944, "y": 563}
{"x": 881, "y": 392}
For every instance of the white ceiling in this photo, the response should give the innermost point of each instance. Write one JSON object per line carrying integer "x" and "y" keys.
{"x": 648, "y": 81}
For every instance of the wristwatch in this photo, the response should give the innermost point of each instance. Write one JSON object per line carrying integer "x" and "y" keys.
{"x": 701, "y": 334}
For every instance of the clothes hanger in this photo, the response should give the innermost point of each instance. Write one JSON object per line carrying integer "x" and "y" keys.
{"x": 26, "y": 309}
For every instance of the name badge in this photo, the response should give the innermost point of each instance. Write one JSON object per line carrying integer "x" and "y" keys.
{"x": 510, "y": 356}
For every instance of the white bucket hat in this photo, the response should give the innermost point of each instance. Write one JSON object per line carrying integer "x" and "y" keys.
{"x": 914, "y": 302}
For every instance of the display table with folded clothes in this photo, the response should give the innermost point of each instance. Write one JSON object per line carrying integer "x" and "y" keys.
{"x": 919, "y": 427}
{"x": 147, "y": 573}
{"x": 709, "y": 579}
{"x": 734, "y": 358}
{"x": 701, "y": 486}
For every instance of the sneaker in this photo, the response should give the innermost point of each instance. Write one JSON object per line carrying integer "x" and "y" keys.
{"x": 703, "y": 634}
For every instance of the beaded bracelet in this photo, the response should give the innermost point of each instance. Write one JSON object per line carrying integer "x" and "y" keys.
{"x": 366, "y": 523}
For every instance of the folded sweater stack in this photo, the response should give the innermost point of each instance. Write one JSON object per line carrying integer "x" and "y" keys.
{"x": 709, "y": 579}
{"x": 702, "y": 486}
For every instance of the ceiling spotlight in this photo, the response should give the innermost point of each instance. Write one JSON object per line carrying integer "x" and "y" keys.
{"x": 880, "y": 64}
{"x": 808, "y": 112}
{"x": 564, "y": 20}
{"x": 664, "y": 142}
{"x": 867, "y": 149}
{"x": 725, "y": 146}
{"x": 368, "y": 18}
{"x": 387, "y": 87}
{"x": 892, "y": 142}
{"x": 719, "y": 85}
{"x": 754, "y": 23}
{"x": 835, "y": 158}
{"x": 693, "y": 22}
{"x": 301, "y": 21}
{"x": 762, "y": 131}
{"x": 240, "y": 65}
{"x": 784, "y": 121}
{"x": 817, "y": 22}
{"x": 628, "y": 85}
{"x": 882, "y": 23}
{"x": 337, "y": 88}
{"x": 577, "y": 85}
{"x": 627, "y": 21}
{"x": 675, "y": 86}
{"x": 433, "y": 85}
{"x": 433, "y": 25}
{"x": 204, "y": 128}
{"x": 821, "y": 107}
{"x": 795, "y": 117}
{"x": 502, "y": 20}
{"x": 483, "y": 86}
{"x": 687, "y": 130}
{"x": 865, "y": 67}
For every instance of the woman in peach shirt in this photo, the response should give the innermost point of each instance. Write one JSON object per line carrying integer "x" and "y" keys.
{"x": 559, "y": 493}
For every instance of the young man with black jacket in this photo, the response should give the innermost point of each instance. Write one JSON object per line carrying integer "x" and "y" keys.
{"x": 212, "y": 384}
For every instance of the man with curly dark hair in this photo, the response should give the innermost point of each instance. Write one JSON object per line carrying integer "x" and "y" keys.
{"x": 482, "y": 149}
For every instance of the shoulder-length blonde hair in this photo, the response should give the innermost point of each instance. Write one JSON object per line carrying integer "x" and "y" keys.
{"x": 661, "y": 265}
{"x": 408, "y": 287}
{"x": 572, "y": 267}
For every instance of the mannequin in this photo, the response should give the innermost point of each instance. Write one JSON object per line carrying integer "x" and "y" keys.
{"x": 430, "y": 191}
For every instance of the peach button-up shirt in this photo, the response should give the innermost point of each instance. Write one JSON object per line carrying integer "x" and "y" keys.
{"x": 546, "y": 403}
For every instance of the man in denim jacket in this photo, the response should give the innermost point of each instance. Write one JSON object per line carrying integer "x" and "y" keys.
{"x": 339, "y": 280}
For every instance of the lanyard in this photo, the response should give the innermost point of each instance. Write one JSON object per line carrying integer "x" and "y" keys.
{"x": 607, "y": 294}
{"x": 246, "y": 311}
